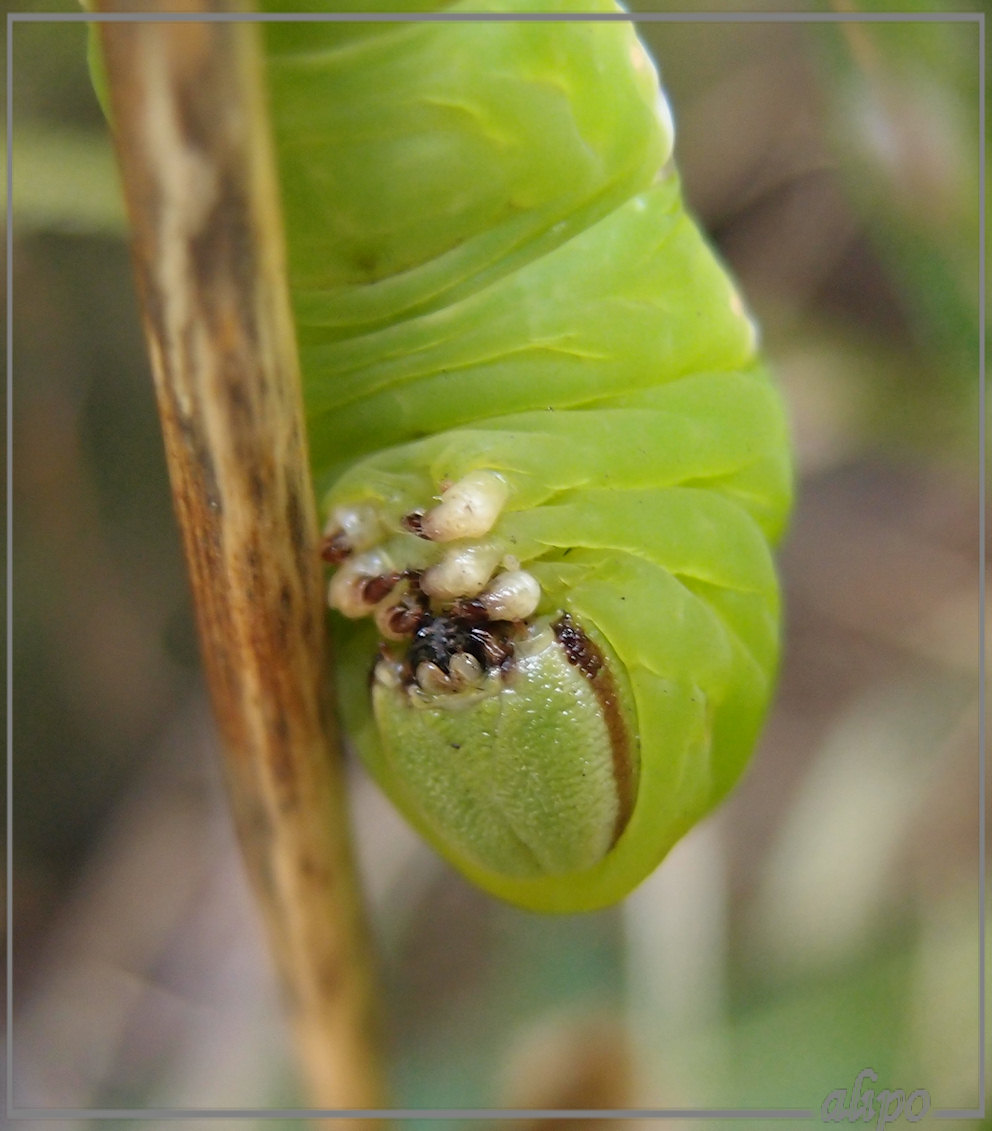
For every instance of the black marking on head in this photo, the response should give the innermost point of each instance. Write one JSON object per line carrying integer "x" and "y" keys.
{"x": 439, "y": 638}
{"x": 586, "y": 655}
{"x": 579, "y": 649}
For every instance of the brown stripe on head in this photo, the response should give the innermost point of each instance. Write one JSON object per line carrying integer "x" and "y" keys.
{"x": 586, "y": 655}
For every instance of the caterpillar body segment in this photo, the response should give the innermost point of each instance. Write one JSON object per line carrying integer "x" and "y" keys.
{"x": 551, "y": 464}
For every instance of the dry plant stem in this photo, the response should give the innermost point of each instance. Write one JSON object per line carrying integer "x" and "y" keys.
{"x": 192, "y": 141}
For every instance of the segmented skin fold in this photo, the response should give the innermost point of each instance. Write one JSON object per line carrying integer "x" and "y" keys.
{"x": 551, "y": 462}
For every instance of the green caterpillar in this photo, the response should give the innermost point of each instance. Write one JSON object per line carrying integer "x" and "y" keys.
{"x": 550, "y": 461}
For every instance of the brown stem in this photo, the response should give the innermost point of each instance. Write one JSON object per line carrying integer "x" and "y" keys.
{"x": 189, "y": 116}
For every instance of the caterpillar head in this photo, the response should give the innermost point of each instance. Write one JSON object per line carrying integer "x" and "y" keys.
{"x": 504, "y": 725}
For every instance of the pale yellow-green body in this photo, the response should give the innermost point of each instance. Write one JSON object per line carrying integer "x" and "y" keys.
{"x": 494, "y": 272}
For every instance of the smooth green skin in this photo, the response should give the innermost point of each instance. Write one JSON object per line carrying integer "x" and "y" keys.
{"x": 421, "y": 161}
{"x": 462, "y": 767}
{"x": 489, "y": 272}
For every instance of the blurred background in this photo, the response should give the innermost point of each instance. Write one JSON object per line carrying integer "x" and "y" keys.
{"x": 824, "y": 921}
